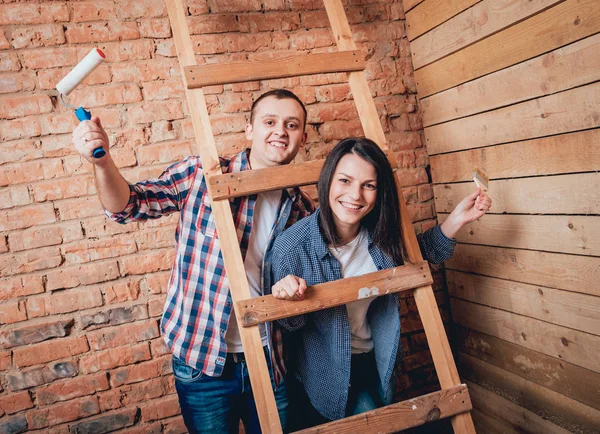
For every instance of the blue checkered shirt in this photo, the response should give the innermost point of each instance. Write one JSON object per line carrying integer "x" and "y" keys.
{"x": 323, "y": 352}
{"x": 198, "y": 303}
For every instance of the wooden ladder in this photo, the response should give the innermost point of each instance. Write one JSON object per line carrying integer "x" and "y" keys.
{"x": 453, "y": 400}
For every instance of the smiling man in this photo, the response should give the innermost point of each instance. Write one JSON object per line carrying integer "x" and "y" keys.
{"x": 198, "y": 323}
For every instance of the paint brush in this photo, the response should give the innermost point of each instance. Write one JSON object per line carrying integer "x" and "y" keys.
{"x": 480, "y": 179}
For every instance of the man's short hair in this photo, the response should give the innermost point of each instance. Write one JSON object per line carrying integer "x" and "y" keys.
{"x": 279, "y": 94}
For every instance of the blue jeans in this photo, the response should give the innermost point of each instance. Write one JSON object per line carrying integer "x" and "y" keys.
{"x": 216, "y": 404}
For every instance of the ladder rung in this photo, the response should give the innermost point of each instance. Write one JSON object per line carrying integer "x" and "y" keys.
{"x": 268, "y": 308}
{"x": 249, "y": 182}
{"x": 291, "y": 66}
{"x": 402, "y": 415}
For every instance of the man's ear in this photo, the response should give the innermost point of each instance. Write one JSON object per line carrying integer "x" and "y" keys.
{"x": 304, "y": 138}
{"x": 249, "y": 131}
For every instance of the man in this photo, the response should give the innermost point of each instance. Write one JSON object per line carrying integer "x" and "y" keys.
{"x": 198, "y": 323}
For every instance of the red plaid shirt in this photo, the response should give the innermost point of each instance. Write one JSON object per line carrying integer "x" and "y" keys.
{"x": 198, "y": 304}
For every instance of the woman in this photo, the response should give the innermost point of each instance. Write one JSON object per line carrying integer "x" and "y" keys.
{"x": 345, "y": 356}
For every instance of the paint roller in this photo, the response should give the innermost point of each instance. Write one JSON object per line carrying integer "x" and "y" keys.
{"x": 72, "y": 80}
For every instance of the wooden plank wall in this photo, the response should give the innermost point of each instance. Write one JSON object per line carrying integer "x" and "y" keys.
{"x": 513, "y": 87}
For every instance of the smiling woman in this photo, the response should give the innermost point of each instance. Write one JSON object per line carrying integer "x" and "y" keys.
{"x": 345, "y": 356}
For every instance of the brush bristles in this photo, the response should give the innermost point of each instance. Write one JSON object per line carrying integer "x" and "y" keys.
{"x": 480, "y": 179}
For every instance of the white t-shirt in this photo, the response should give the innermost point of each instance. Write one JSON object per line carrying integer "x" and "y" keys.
{"x": 355, "y": 260}
{"x": 265, "y": 213}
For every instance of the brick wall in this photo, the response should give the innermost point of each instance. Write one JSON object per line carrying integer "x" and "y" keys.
{"x": 81, "y": 297}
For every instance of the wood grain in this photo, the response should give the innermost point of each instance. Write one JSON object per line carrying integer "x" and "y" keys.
{"x": 571, "y": 110}
{"x": 472, "y": 25}
{"x": 565, "y": 153}
{"x": 564, "y": 308}
{"x": 558, "y": 408}
{"x": 402, "y": 415}
{"x": 573, "y": 346}
{"x": 431, "y": 13}
{"x": 578, "y": 235}
{"x": 560, "y": 25}
{"x": 562, "y": 377}
{"x": 289, "y": 66}
{"x": 571, "y": 66}
{"x": 268, "y": 308}
{"x": 569, "y": 272}
{"x": 561, "y": 194}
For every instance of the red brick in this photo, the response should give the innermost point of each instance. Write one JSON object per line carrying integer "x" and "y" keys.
{"x": 230, "y": 144}
{"x": 144, "y": 428}
{"x": 333, "y": 93}
{"x": 127, "y": 50}
{"x": 11, "y": 174}
{"x": 101, "y": 226}
{"x": 114, "y": 357}
{"x": 155, "y": 307}
{"x": 420, "y": 212}
{"x": 29, "y": 261}
{"x": 58, "y": 123}
{"x": 135, "y": 373}
{"x": 148, "y": 262}
{"x": 4, "y": 44}
{"x": 134, "y": 393}
{"x": 213, "y": 23}
{"x": 221, "y": 6}
{"x": 319, "y": 113}
{"x": 337, "y": 130}
{"x": 64, "y": 188}
{"x": 408, "y": 177}
{"x": 42, "y": 58}
{"x": 3, "y": 244}
{"x": 61, "y": 413}
{"x": 425, "y": 192}
{"x": 124, "y": 157}
{"x": 158, "y": 347}
{"x": 70, "y": 277}
{"x": 146, "y": 9}
{"x": 174, "y": 425}
{"x": 12, "y": 312}
{"x": 64, "y": 302}
{"x": 24, "y": 13}
{"x": 38, "y": 36}
{"x": 92, "y": 11}
{"x": 34, "y": 334}
{"x": 162, "y": 131}
{"x": 156, "y": 283}
{"x": 48, "y": 351}
{"x": 107, "y": 95}
{"x": 313, "y": 38}
{"x": 72, "y": 388}
{"x": 45, "y": 236}
{"x": 122, "y": 291}
{"x": 20, "y": 151}
{"x": 164, "y": 152}
{"x": 27, "y": 378}
{"x": 15, "y": 402}
{"x": 106, "y": 422}
{"x": 163, "y": 90}
{"x": 155, "y": 111}
{"x": 6, "y": 360}
{"x": 101, "y": 32}
{"x": 404, "y": 140}
{"x": 155, "y": 28}
{"x": 22, "y": 81}
{"x": 122, "y": 335}
{"x": 19, "y": 286}
{"x": 14, "y": 196}
{"x": 160, "y": 408}
{"x": 260, "y": 22}
{"x": 166, "y": 48}
{"x": 9, "y": 62}
{"x": 410, "y": 194}
{"x": 79, "y": 208}
{"x": 93, "y": 250}
{"x": 19, "y": 128}
{"x": 145, "y": 70}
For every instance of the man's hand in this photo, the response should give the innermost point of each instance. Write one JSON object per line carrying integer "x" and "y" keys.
{"x": 468, "y": 210}
{"x": 289, "y": 288}
{"x": 88, "y": 136}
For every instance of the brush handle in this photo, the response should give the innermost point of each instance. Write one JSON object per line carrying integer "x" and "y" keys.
{"x": 84, "y": 115}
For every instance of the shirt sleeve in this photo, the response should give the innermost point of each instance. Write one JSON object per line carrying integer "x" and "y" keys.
{"x": 282, "y": 266}
{"x": 164, "y": 195}
{"x": 435, "y": 246}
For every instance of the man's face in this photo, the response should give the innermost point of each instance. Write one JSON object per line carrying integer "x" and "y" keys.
{"x": 277, "y": 132}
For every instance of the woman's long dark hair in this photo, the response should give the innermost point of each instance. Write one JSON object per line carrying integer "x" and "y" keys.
{"x": 384, "y": 219}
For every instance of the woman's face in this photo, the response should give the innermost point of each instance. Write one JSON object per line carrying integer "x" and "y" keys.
{"x": 353, "y": 193}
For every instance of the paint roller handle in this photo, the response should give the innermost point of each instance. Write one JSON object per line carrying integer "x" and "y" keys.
{"x": 84, "y": 115}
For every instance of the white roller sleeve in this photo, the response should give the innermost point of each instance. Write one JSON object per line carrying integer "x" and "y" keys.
{"x": 80, "y": 72}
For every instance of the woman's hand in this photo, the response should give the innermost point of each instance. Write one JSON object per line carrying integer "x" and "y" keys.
{"x": 289, "y": 288}
{"x": 468, "y": 210}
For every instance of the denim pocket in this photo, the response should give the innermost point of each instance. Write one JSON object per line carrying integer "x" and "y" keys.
{"x": 185, "y": 373}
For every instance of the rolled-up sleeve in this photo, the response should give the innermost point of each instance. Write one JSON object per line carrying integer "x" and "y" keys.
{"x": 435, "y": 246}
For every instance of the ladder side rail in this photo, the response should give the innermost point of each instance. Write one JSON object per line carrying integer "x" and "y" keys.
{"x": 206, "y": 149}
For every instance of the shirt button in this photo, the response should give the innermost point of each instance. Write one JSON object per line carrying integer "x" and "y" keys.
{"x": 228, "y": 303}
